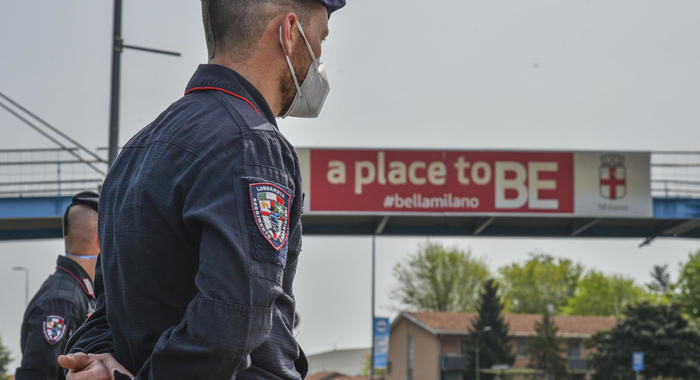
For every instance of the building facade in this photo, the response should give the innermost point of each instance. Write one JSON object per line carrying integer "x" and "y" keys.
{"x": 345, "y": 361}
{"x": 432, "y": 345}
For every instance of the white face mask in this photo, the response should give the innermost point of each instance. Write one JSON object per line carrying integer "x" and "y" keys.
{"x": 311, "y": 95}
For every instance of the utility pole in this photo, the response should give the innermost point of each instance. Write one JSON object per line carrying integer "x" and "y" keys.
{"x": 379, "y": 230}
{"x": 374, "y": 259}
{"x": 477, "y": 366}
{"x": 476, "y": 359}
{"x": 26, "y": 283}
{"x": 117, "y": 42}
{"x": 117, "y": 47}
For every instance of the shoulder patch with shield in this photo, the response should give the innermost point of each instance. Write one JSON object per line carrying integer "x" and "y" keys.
{"x": 270, "y": 205}
{"x": 54, "y": 328}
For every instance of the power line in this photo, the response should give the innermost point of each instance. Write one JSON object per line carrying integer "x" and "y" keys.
{"x": 54, "y": 140}
{"x": 49, "y": 126}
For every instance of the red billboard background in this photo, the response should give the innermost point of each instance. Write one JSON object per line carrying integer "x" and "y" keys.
{"x": 441, "y": 181}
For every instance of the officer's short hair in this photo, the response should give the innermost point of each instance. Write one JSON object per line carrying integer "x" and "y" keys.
{"x": 236, "y": 25}
{"x": 86, "y": 198}
{"x": 82, "y": 227}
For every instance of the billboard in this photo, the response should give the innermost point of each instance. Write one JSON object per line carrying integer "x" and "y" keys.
{"x": 586, "y": 184}
{"x": 381, "y": 342}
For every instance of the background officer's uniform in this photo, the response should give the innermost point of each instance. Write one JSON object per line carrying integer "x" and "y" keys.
{"x": 200, "y": 233}
{"x": 60, "y": 306}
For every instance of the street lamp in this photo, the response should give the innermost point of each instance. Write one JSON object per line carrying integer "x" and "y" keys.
{"x": 118, "y": 46}
{"x": 477, "y": 364}
{"x": 26, "y": 283}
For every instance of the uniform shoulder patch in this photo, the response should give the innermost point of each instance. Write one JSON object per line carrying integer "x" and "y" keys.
{"x": 270, "y": 205}
{"x": 54, "y": 328}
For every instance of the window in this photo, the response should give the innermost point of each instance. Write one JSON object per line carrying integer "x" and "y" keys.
{"x": 452, "y": 376}
{"x": 521, "y": 348}
{"x": 574, "y": 350}
{"x": 466, "y": 346}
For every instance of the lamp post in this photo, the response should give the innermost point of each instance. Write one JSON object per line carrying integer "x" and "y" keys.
{"x": 477, "y": 365}
{"x": 118, "y": 46}
{"x": 26, "y": 283}
{"x": 374, "y": 261}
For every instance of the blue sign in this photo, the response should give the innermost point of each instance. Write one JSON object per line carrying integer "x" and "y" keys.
{"x": 638, "y": 361}
{"x": 381, "y": 342}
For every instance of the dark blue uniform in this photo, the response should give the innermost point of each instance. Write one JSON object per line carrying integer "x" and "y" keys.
{"x": 200, "y": 234}
{"x": 62, "y": 304}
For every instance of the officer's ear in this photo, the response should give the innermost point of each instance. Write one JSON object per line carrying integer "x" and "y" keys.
{"x": 289, "y": 32}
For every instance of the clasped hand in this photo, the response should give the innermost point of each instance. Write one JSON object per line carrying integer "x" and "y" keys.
{"x": 83, "y": 366}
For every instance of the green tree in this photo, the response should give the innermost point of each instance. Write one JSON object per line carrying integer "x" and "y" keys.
{"x": 661, "y": 279}
{"x": 547, "y": 350}
{"x": 689, "y": 285}
{"x": 670, "y": 345}
{"x": 661, "y": 290}
{"x": 4, "y": 361}
{"x": 492, "y": 330}
{"x": 598, "y": 294}
{"x": 541, "y": 281}
{"x": 439, "y": 279}
{"x": 379, "y": 373}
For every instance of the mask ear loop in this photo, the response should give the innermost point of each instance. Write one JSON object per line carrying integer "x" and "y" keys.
{"x": 308, "y": 45}
{"x": 289, "y": 62}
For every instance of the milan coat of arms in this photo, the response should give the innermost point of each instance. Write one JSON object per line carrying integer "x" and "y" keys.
{"x": 613, "y": 176}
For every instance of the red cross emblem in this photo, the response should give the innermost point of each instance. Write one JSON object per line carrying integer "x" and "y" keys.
{"x": 613, "y": 177}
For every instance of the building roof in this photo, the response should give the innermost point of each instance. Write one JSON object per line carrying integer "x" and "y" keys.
{"x": 450, "y": 323}
{"x": 331, "y": 375}
{"x": 323, "y": 375}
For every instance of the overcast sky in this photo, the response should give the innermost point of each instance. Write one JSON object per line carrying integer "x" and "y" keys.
{"x": 538, "y": 74}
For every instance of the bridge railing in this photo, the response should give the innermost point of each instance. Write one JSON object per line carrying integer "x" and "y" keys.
{"x": 675, "y": 174}
{"x": 48, "y": 172}
{"x": 65, "y": 171}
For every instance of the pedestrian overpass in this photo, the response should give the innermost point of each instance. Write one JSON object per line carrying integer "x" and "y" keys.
{"x": 36, "y": 186}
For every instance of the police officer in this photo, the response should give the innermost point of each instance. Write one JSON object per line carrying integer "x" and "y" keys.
{"x": 66, "y": 298}
{"x": 200, "y": 214}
